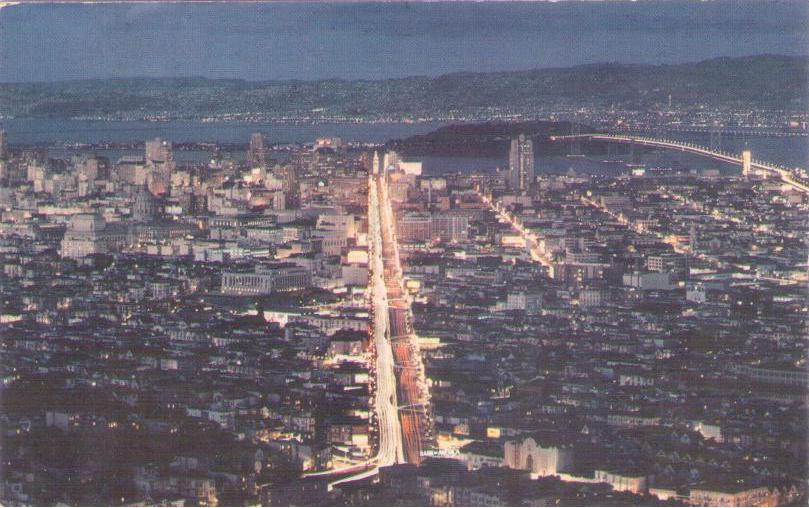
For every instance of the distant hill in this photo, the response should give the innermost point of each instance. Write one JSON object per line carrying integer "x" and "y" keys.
{"x": 760, "y": 82}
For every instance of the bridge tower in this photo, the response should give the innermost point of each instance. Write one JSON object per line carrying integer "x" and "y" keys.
{"x": 747, "y": 158}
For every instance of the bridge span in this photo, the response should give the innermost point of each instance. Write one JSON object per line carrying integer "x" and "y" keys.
{"x": 784, "y": 174}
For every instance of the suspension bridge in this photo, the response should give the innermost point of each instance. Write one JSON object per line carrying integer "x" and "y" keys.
{"x": 790, "y": 177}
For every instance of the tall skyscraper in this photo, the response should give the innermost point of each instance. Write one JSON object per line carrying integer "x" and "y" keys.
{"x": 521, "y": 164}
{"x": 257, "y": 154}
{"x": 160, "y": 164}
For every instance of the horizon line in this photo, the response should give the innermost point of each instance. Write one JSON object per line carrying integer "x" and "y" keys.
{"x": 412, "y": 76}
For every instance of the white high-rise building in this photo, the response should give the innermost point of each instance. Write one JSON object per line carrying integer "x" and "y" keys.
{"x": 521, "y": 164}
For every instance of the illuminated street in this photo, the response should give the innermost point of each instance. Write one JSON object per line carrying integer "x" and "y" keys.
{"x": 412, "y": 387}
{"x": 390, "y": 438}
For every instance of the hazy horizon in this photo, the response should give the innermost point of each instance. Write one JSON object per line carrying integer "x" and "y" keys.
{"x": 529, "y": 69}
